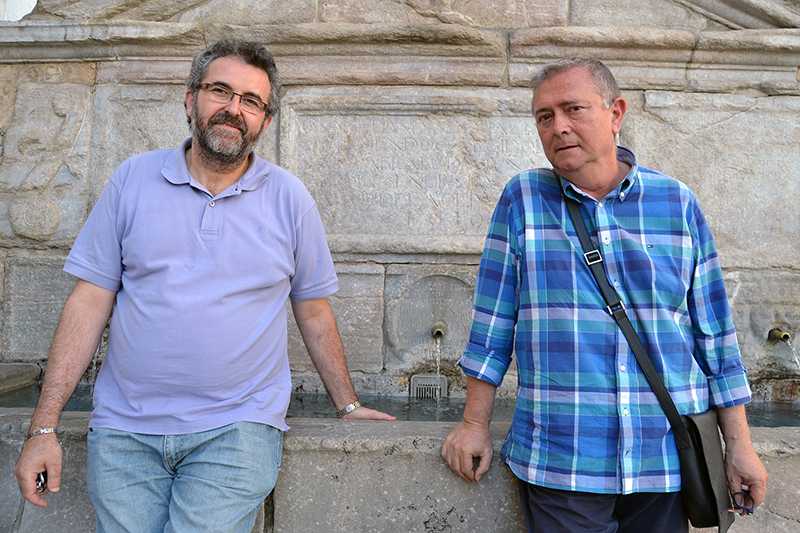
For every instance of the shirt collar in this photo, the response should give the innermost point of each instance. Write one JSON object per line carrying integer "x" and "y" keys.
{"x": 176, "y": 172}
{"x": 623, "y": 190}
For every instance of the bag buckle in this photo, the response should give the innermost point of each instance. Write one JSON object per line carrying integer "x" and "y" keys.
{"x": 592, "y": 257}
{"x": 618, "y": 311}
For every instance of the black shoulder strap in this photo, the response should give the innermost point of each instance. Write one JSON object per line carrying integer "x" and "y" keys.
{"x": 616, "y": 309}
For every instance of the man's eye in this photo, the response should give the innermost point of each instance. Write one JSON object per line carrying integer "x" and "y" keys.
{"x": 220, "y": 91}
{"x": 254, "y": 102}
{"x": 542, "y": 118}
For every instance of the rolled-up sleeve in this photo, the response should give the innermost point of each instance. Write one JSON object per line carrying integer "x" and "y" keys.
{"x": 716, "y": 348}
{"x": 496, "y": 302}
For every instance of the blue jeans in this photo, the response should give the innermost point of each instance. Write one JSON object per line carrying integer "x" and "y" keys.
{"x": 209, "y": 481}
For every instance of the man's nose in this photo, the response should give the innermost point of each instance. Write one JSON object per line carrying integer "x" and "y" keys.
{"x": 561, "y": 124}
{"x": 234, "y": 107}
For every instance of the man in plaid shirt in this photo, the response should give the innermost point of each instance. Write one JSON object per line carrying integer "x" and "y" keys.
{"x": 589, "y": 442}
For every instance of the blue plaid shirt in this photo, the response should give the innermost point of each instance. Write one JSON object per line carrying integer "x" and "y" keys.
{"x": 586, "y": 419}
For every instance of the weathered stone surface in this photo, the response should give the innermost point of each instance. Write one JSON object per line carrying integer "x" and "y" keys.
{"x": 245, "y": 12}
{"x": 69, "y": 41}
{"x": 44, "y": 166}
{"x": 387, "y": 477}
{"x": 681, "y": 60}
{"x": 36, "y": 290}
{"x": 404, "y": 171}
{"x": 754, "y": 14}
{"x": 762, "y": 300}
{"x": 16, "y": 375}
{"x": 379, "y": 54}
{"x": 358, "y": 309}
{"x": 635, "y": 13}
{"x": 737, "y": 153}
{"x": 14, "y": 75}
{"x": 482, "y": 13}
{"x": 417, "y": 297}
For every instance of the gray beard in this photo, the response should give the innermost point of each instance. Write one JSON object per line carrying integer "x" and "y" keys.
{"x": 222, "y": 149}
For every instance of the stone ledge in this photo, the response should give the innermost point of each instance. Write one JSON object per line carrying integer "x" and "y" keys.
{"x": 645, "y": 58}
{"x": 417, "y": 54}
{"x": 17, "y": 375}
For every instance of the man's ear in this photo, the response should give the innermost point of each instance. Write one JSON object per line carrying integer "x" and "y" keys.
{"x": 189, "y": 103}
{"x": 618, "y": 110}
{"x": 267, "y": 122}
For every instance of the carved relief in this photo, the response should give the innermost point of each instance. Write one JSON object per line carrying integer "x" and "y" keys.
{"x": 45, "y": 157}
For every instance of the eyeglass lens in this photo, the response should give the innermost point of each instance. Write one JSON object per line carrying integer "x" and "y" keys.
{"x": 224, "y": 95}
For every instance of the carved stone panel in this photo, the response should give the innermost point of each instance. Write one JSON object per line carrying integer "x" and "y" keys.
{"x": 44, "y": 164}
{"x": 405, "y": 171}
{"x": 418, "y": 297}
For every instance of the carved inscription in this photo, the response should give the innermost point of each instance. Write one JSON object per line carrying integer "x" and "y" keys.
{"x": 410, "y": 176}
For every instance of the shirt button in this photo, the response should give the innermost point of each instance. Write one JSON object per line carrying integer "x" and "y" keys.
{"x": 606, "y": 241}
{"x": 622, "y": 195}
{"x": 616, "y": 283}
{"x": 211, "y": 203}
{"x": 622, "y": 367}
{"x": 600, "y": 204}
{"x": 625, "y": 412}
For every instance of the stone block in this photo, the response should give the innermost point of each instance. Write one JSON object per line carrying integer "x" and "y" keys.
{"x": 635, "y": 14}
{"x": 668, "y": 59}
{"x": 17, "y": 375}
{"x": 358, "y": 309}
{"x": 483, "y": 13}
{"x": 417, "y": 298}
{"x": 737, "y": 154}
{"x": 45, "y": 163}
{"x": 36, "y": 290}
{"x": 387, "y": 477}
{"x": 407, "y": 171}
{"x": 638, "y": 57}
{"x": 761, "y": 301}
{"x": 379, "y": 54}
{"x": 244, "y": 12}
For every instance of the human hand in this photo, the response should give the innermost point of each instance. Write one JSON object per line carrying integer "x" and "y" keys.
{"x": 745, "y": 470}
{"x": 466, "y": 442}
{"x": 41, "y": 453}
{"x": 365, "y": 413}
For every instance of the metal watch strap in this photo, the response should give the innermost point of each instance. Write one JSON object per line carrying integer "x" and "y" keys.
{"x": 349, "y": 408}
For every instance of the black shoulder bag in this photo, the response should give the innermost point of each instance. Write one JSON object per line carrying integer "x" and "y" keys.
{"x": 703, "y": 481}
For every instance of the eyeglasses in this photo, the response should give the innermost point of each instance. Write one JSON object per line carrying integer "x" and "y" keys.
{"x": 223, "y": 95}
{"x": 742, "y": 500}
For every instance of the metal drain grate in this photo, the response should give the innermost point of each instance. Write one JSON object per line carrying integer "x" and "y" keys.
{"x": 428, "y": 386}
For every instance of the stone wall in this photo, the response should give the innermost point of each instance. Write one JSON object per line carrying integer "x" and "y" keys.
{"x": 405, "y": 118}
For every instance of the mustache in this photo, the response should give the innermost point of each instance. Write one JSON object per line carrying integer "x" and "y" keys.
{"x": 228, "y": 120}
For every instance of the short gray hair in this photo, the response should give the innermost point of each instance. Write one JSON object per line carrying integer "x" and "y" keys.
{"x": 251, "y": 53}
{"x": 603, "y": 81}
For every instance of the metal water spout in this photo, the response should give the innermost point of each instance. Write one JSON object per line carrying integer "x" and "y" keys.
{"x": 439, "y": 330}
{"x": 776, "y": 334}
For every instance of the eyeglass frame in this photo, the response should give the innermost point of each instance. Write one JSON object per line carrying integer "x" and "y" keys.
{"x": 245, "y": 101}
{"x": 747, "y": 509}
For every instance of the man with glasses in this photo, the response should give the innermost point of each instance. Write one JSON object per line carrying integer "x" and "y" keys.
{"x": 196, "y": 250}
{"x": 589, "y": 442}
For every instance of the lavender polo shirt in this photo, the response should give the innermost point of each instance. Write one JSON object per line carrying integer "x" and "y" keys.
{"x": 198, "y": 333}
